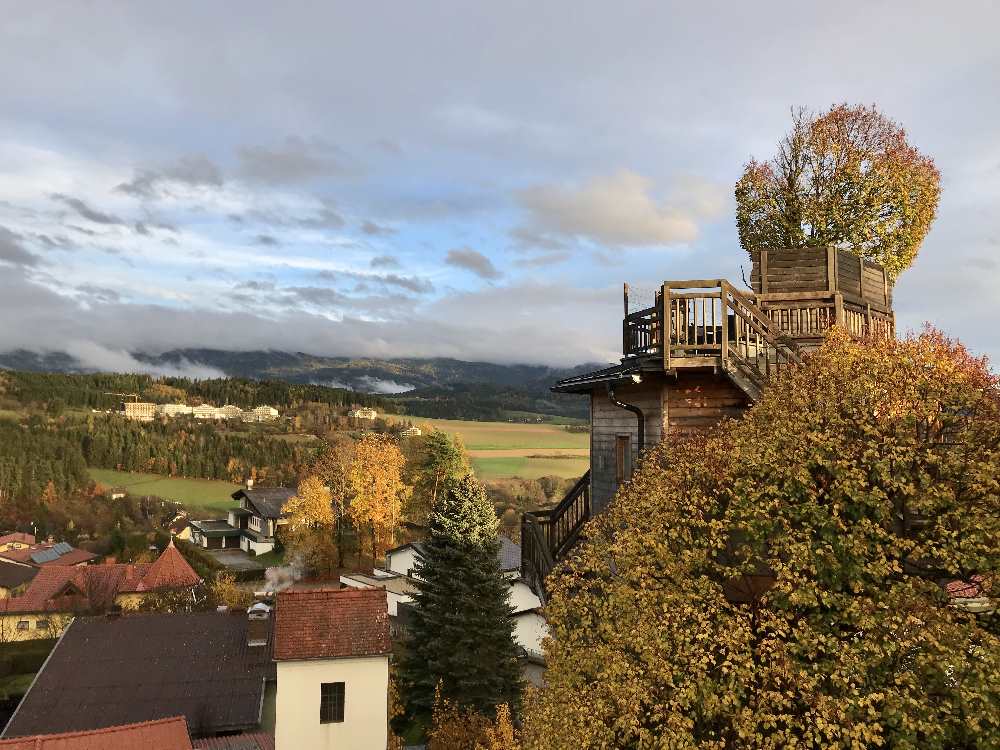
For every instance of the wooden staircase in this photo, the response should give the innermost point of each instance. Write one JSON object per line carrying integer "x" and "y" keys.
{"x": 546, "y": 535}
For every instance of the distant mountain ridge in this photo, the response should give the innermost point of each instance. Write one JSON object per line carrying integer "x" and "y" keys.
{"x": 415, "y": 382}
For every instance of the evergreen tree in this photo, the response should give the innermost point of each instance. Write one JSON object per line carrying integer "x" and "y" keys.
{"x": 461, "y": 634}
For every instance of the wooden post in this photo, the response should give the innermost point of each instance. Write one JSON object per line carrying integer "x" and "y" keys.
{"x": 868, "y": 318}
{"x": 763, "y": 271}
{"x": 831, "y": 268}
{"x": 838, "y": 307}
{"x": 861, "y": 277}
{"x": 723, "y": 294}
{"x": 625, "y": 346}
{"x": 665, "y": 327}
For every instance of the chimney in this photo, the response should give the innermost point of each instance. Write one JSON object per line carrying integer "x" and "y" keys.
{"x": 258, "y": 624}
{"x": 249, "y": 483}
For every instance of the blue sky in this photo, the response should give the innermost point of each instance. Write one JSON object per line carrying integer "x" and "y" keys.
{"x": 445, "y": 179}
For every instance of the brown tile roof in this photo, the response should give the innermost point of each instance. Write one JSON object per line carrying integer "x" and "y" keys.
{"x": 251, "y": 741}
{"x": 17, "y": 536}
{"x": 107, "y": 671}
{"x": 170, "y": 571}
{"x": 331, "y": 623}
{"x": 163, "y": 734}
{"x": 94, "y": 587}
{"x": 25, "y": 556}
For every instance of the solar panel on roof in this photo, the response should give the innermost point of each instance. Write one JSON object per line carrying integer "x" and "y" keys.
{"x": 44, "y": 556}
{"x": 62, "y": 548}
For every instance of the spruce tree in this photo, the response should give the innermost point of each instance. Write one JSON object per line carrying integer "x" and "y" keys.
{"x": 461, "y": 632}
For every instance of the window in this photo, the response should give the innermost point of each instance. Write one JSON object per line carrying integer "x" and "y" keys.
{"x": 331, "y": 702}
{"x": 23, "y": 624}
{"x": 41, "y": 624}
{"x": 622, "y": 456}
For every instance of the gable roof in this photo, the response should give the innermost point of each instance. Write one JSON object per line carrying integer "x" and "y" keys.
{"x": 268, "y": 501}
{"x": 163, "y": 734}
{"x": 107, "y": 671}
{"x": 71, "y": 589}
{"x": 331, "y": 624}
{"x": 12, "y": 576}
{"x": 49, "y": 554}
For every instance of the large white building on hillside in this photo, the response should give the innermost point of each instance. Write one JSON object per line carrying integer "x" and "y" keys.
{"x": 364, "y": 412}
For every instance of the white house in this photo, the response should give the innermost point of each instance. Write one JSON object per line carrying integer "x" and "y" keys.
{"x": 399, "y": 589}
{"x": 332, "y": 652}
{"x": 174, "y": 410}
{"x": 205, "y": 411}
{"x": 402, "y": 559}
{"x": 364, "y": 412}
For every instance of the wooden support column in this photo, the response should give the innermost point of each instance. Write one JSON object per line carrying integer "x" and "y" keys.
{"x": 838, "y": 307}
{"x": 861, "y": 277}
{"x": 868, "y": 319}
{"x": 625, "y": 343}
{"x": 666, "y": 325}
{"x": 831, "y": 269}
{"x": 763, "y": 271}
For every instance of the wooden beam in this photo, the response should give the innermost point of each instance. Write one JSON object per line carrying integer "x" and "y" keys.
{"x": 831, "y": 268}
{"x": 763, "y": 271}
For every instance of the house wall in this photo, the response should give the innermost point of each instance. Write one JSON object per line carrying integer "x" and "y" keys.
{"x": 9, "y": 632}
{"x": 522, "y": 597}
{"x": 529, "y": 630}
{"x": 691, "y": 401}
{"x": 608, "y": 421}
{"x": 366, "y": 685}
{"x": 402, "y": 561}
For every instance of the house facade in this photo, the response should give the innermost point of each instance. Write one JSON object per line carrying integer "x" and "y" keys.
{"x": 332, "y": 651}
{"x": 251, "y": 526}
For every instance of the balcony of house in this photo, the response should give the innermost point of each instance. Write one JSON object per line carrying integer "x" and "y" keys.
{"x": 795, "y": 297}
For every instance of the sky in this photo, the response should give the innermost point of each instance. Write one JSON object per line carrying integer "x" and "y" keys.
{"x": 468, "y": 180}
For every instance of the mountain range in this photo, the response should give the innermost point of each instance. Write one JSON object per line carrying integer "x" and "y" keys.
{"x": 435, "y": 387}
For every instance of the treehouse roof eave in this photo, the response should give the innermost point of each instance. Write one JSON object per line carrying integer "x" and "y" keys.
{"x": 586, "y": 383}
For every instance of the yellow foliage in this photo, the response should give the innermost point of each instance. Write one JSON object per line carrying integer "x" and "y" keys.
{"x": 377, "y": 488}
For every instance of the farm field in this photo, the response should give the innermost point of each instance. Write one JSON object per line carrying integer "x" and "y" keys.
{"x": 206, "y": 495}
{"x": 508, "y": 449}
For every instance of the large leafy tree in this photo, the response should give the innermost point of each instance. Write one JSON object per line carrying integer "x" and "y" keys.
{"x": 783, "y": 581}
{"x": 437, "y": 458}
{"x": 377, "y": 489}
{"x": 308, "y": 533}
{"x": 461, "y": 636}
{"x": 846, "y": 177}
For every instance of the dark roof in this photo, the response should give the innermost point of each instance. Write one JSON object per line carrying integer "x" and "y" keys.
{"x": 331, "y": 624}
{"x": 267, "y": 501}
{"x": 106, "y": 671}
{"x": 586, "y": 383}
{"x": 163, "y": 734}
{"x": 12, "y": 576}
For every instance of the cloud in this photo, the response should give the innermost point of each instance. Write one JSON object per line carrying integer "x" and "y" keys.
{"x": 413, "y": 283}
{"x": 189, "y": 171}
{"x": 371, "y": 384}
{"x": 474, "y": 261}
{"x": 13, "y": 252}
{"x": 94, "y": 356}
{"x": 384, "y": 261}
{"x": 376, "y": 230}
{"x": 266, "y": 240}
{"x": 620, "y": 210}
{"x": 88, "y": 213}
{"x": 98, "y": 293}
{"x": 295, "y": 160}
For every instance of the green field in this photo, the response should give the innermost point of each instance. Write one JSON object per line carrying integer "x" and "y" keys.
{"x": 510, "y": 449}
{"x": 207, "y": 495}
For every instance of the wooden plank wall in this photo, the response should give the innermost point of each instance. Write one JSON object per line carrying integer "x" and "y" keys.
{"x": 607, "y": 421}
{"x": 697, "y": 400}
{"x": 799, "y": 270}
{"x": 808, "y": 269}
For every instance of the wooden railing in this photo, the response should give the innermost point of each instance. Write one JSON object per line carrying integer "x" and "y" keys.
{"x": 702, "y": 316}
{"x": 546, "y": 535}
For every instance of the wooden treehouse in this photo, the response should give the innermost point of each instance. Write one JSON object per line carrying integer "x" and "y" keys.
{"x": 702, "y": 351}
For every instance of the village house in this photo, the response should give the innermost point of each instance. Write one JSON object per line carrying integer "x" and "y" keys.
{"x": 211, "y": 668}
{"x": 16, "y": 540}
{"x": 363, "y": 412}
{"x": 57, "y": 593}
{"x": 47, "y": 554}
{"x": 251, "y": 526}
{"x": 410, "y": 432}
{"x": 174, "y": 410}
{"x": 14, "y": 579}
{"x": 332, "y": 651}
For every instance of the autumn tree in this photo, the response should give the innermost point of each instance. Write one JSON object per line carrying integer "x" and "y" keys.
{"x": 846, "y": 177}
{"x": 308, "y": 533}
{"x": 438, "y": 458}
{"x": 225, "y": 592}
{"x": 377, "y": 489}
{"x": 460, "y": 636}
{"x": 784, "y": 580}
{"x": 333, "y": 468}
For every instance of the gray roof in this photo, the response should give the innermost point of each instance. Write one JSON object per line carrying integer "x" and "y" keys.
{"x": 586, "y": 383}
{"x": 268, "y": 501}
{"x": 12, "y": 576}
{"x": 107, "y": 671}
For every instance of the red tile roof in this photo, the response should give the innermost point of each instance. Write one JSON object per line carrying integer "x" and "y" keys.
{"x": 170, "y": 571}
{"x": 249, "y": 741}
{"x": 23, "y": 556}
{"x": 17, "y": 536}
{"x": 971, "y": 589}
{"x": 331, "y": 624}
{"x": 163, "y": 734}
{"x": 94, "y": 587}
